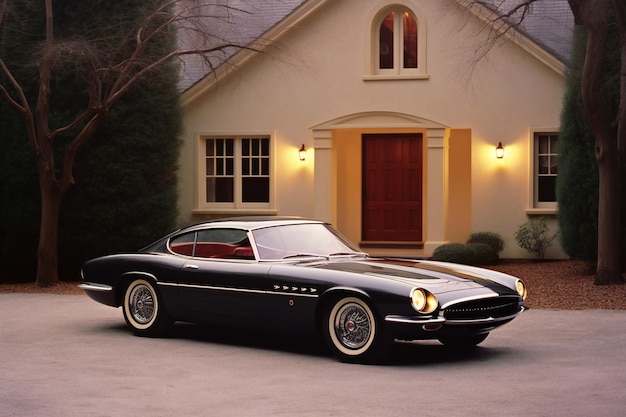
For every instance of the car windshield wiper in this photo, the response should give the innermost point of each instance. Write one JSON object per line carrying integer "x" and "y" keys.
{"x": 305, "y": 255}
{"x": 348, "y": 254}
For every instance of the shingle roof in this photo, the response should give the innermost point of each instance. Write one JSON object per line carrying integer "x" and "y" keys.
{"x": 236, "y": 21}
{"x": 549, "y": 23}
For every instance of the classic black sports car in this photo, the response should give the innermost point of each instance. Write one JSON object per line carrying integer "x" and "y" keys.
{"x": 301, "y": 275}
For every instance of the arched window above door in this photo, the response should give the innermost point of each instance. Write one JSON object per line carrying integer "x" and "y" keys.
{"x": 397, "y": 44}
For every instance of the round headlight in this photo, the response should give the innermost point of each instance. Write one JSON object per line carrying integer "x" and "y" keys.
{"x": 521, "y": 289}
{"x": 423, "y": 301}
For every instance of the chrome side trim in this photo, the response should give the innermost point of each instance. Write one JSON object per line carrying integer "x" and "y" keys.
{"x": 414, "y": 320}
{"x": 90, "y": 286}
{"x": 292, "y": 294}
{"x": 242, "y": 290}
{"x": 167, "y": 284}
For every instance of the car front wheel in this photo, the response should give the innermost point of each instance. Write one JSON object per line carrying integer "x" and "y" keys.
{"x": 143, "y": 311}
{"x": 353, "y": 332}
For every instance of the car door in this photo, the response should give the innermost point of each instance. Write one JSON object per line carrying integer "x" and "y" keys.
{"x": 220, "y": 279}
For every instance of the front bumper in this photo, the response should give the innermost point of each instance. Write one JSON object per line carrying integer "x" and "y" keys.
{"x": 422, "y": 328}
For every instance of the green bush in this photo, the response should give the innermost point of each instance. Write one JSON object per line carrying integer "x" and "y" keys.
{"x": 468, "y": 254}
{"x": 482, "y": 254}
{"x": 533, "y": 236}
{"x": 494, "y": 240}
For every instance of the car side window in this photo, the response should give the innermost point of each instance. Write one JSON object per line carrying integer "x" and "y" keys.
{"x": 214, "y": 243}
{"x": 183, "y": 244}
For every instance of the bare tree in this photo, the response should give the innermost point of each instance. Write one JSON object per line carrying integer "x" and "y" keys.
{"x": 109, "y": 75}
{"x": 596, "y": 17}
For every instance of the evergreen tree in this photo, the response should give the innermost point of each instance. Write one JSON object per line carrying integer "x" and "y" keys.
{"x": 577, "y": 182}
{"x": 125, "y": 192}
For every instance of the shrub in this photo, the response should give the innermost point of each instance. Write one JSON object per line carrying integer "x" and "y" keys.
{"x": 453, "y": 252}
{"x": 492, "y": 239}
{"x": 533, "y": 236}
{"x": 468, "y": 254}
{"x": 482, "y": 254}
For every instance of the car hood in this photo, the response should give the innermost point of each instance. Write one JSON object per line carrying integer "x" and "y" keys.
{"x": 436, "y": 277}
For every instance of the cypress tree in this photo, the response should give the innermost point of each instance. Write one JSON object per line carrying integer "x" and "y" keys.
{"x": 577, "y": 181}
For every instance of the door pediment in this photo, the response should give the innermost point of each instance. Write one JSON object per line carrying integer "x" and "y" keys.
{"x": 378, "y": 119}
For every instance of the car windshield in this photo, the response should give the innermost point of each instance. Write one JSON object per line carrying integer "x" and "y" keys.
{"x": 301, "y": 240}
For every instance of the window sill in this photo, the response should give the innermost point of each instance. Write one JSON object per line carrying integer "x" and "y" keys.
{"x": 545, "y": 211}
{"x": 391, "y": 245}
{"x": 384, "y": 77}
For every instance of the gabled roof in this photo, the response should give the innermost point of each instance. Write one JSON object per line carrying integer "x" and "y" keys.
{"x": 550, "y": 23}
{"x": 239, "y": 22}
{"x": 546, "y": 30}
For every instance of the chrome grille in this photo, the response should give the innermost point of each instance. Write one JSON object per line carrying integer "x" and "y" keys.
{"x": 483, "y": 308}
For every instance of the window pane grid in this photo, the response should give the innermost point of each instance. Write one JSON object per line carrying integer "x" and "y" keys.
{"x": 238, "y": 169}
{"x": 257, "y": 162}
{"x": 220, "y": 170}
{"x": 546, "y": 169}
{"x": 547, "y": 155}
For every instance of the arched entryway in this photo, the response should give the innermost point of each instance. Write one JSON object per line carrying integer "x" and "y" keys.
{"x": 343, "y": 186}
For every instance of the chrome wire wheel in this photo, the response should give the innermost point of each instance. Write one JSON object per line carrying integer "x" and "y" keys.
{"x": 351, "y": 330}
{"x": 142, "y": 309}
{"x": 353, "y": 325}
{"x": 142, "y": 304}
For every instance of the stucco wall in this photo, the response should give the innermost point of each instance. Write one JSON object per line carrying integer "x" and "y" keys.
{"x": 316, "y": 73}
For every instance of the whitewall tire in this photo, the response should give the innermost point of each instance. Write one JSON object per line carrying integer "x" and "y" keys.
{"x": 353, "y": 332}
{"x": 142, "y": 309}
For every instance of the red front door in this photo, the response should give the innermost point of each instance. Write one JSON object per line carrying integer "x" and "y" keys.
{"x": 392, "y": 188}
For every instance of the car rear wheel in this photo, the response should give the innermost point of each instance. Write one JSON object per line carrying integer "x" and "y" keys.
{"x": 353, "y": 332}
{"x": 464, "y": 342}
{"x": 143, "y": 311}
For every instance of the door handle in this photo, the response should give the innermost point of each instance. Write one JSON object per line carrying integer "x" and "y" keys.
{"x": 191, "y": 266}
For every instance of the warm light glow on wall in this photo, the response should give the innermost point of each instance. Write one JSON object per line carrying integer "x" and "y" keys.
{"x": 515, "y": 156}
{"x": 499, "y": 151}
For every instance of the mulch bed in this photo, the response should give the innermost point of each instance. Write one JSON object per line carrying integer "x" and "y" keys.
{"x": 564, "y": 285}
{"x": 551, "y": 284}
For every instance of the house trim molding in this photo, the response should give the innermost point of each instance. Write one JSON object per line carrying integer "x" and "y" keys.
{"x": 309, "y": 7}
{"x": 436, "y": 161}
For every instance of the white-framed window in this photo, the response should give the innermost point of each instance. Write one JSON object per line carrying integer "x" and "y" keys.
{"x": 397, "y": 44}
{"x": 235, "y": 172}
{"x": 545, "y": 161}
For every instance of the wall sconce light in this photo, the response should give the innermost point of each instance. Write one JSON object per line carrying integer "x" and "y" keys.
{"x": 499, "y": 151}
{"x": 302, "y": 153}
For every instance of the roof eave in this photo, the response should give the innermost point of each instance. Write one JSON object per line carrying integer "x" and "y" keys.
{"x": 309, "y": 7}
{"x": 517, "y": 37}
{"x": 263, "y": 43}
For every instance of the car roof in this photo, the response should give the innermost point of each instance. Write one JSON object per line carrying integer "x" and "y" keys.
{"x": 250, "y": 222}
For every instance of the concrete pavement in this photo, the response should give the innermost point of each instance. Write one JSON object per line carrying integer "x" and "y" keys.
{"x": 65, "y": 355}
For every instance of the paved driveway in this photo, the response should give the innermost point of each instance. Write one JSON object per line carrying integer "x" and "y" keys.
{"x": 65, "y": 355}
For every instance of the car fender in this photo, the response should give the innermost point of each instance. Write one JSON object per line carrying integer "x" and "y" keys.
{"x": 334, "y": 293}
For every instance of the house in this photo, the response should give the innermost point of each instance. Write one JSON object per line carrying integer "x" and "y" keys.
{"x": 383, "y": 118}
